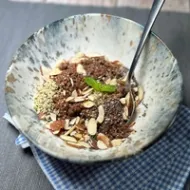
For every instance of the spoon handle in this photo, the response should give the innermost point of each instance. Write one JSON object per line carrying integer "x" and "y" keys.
{"x": 156, "y": 7}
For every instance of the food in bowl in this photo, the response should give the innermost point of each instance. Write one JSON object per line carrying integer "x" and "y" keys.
{"x": 85, "y": 101}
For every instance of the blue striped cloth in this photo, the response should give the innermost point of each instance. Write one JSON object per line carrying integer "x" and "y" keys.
{"x": 164, "y": 166}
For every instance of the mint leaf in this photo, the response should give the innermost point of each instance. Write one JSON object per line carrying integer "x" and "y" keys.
{"x": 99, "y": 86}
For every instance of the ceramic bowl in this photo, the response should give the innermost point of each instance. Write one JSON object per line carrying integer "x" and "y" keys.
{"x": 115, "y": 37}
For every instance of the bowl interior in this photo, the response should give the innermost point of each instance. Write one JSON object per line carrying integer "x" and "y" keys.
{"x": 115, "y": 37}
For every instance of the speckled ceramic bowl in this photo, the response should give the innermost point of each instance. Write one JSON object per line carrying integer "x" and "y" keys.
{"x": 115, "y": 37}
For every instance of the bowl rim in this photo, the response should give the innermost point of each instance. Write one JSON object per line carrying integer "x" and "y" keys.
{"x": 45, "y": 150}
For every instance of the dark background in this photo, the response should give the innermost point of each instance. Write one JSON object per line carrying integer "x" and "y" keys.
{"x": 18, "y": 168}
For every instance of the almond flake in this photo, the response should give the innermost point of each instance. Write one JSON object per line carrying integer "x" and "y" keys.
{"x": 104, "y": 139}
{"x": 87, "y": 92}
{"x": 55, "y": 71}
{"x": 124, "y": 79}
{"x": 70, "y": 98}
{"x": 116, "y": 142}
{"x": 84, "y": 144}
{"x": 86, "y": 123}
{"x": 113, "y": 82}
{"x": 70, "y": 130}
{"x": 71, "y": 80}
{"x": 56, "y": 132}
{"x": 91, "y": 97}
{"x": 77, "y": 58}
{"x": 77, "y": 120}
{"x": 64, "y": 92}
{"x": 108, "y": 81}
{"x": 88, "y": 104}
{"x": 53, "y": 116}
{"x": 140, "y": 93}
{"x": 45, "y": 71}
{"x": 135, "y": 89}
{"x": 72, "y": 122}
{"x": 122, "y": 100}
{"x": 101, "y": 113}
{"x": 78, "y": 135}
{"x": 86, "y": 138}
{"x": 81, "y": 70}
{"x": 68, "y": 138}
{"x": 73, "y": 133}
{"x": 67, "y": 124}
{"x": 126, "y": 111}
{"x": 79, "y": 99}
{"x": 92, "y": 126}
{"x": 60, "y": 62}
{"x": 128, "y": 99}
{"x": 101, "y": 145}
{"x": 124, "y": 116}
{"x": 74, "y": 94}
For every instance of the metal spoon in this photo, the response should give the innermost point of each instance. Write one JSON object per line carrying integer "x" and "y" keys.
{"x": 156, "y": 7}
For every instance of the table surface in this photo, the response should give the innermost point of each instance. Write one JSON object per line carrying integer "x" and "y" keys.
{"x": 18, "y": 168}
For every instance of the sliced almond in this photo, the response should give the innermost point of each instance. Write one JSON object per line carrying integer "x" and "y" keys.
{"x": 140, "y": 93}
{"x": 126, "y": 111}
{"x": 64, "y": 92}
{"x": 45, "y": 71}
{"x": 124, "y": 79}
{"x": 101, "y": 114}
{"x": 71, "y": 80}
{"x": 124, "y": 116}
{"x": 101, "y": 145}
{"x": 104, "y": 139}
{"x": 73, "y": 133}
{"x": 77, "y": 58}
{"x": 87, "y": 92}
{"x": 135, "y": 89}
{"x": 123, "y": 101}
{"x": 88, "y": 104}
{"x": 128, "y": 99}
{"x": 72, "y": 122}
{"x": 113, "y": 82}
{"x": 56, "y": 132}
{"x": 67, "y": 124}
{"x": 116, "y": 142}
{"x": 86, "y": 138}
{"x": 81, "y": 70}
{"x": 70, "y": 130}
{"x": 78, "y": 135}
{"x": 60, "y": 62}
{"x": 91, "y": 97}
{"x": 68, "y": 138}
{"x": 92, "y": 126}
{"x": 77, "y": 120}
{"x": 108, "y": 81}
{"x": 79, "y": 145}
{"x": 74, "y": 94}
{"x": 136, "y": 98}
{"x": 79, "y": 99}
{"x": 70, "y": 98}
{"x": 86, "y": 123}
{"x": 53, "y": 116}
{"x": 55, "y": 71}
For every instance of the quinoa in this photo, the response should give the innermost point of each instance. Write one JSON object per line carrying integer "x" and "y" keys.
{"x": 43, "y": 100}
